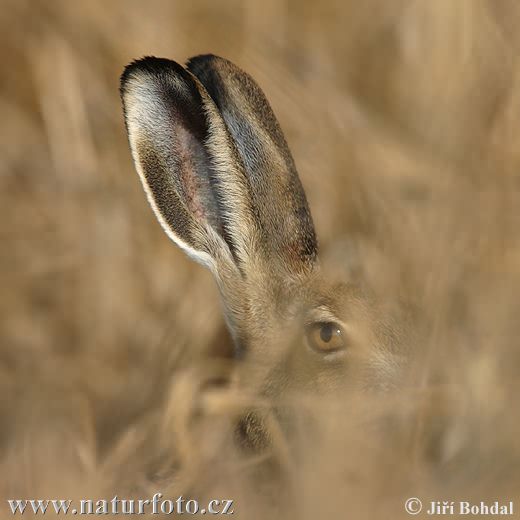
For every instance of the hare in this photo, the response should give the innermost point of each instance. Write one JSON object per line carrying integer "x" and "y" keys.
{"x": 221, "y": 180}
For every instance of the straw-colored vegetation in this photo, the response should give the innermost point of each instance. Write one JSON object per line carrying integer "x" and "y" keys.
{"x": 403, "y": 118}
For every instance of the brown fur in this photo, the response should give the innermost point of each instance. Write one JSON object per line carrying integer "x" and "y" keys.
{"x": 273, "y": 289}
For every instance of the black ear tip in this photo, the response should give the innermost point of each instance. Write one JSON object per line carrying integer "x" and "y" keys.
{"x": 150, "y": 66}
{"x": 202, "y": 62}
{"x": 137, "y": 65}
{"x": 200, "y": 59}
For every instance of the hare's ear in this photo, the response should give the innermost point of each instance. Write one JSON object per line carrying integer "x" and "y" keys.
{"x": 187, "y": 161}
{"x": 279, "y": 199}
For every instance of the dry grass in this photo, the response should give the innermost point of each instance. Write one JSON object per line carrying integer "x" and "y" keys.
{"x": 403, "y": 119}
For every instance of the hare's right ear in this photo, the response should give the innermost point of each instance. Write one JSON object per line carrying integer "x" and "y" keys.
{"x": 187, "y": 161}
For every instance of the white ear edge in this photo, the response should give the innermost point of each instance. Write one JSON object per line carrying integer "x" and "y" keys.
{"x": 142, "y": 100}
{"x": 199, "y": 256}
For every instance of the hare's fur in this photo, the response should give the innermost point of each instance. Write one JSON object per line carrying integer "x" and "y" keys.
{"x": 222, "y": 182}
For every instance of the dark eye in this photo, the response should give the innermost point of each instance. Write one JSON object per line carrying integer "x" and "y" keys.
{"x": 326, "y": 337}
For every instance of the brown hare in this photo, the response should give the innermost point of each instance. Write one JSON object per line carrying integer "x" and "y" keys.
{"x": 221, "y": 180}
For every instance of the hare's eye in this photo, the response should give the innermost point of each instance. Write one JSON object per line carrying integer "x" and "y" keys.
{"x": 326, "y": 337}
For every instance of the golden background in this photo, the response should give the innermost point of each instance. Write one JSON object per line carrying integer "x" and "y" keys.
{"x": 403, "y": 120}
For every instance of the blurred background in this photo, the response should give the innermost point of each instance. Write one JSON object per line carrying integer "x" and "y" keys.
{"x": 402, "y": 117}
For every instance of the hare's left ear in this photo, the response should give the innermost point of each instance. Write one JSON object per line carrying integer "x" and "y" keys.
{"x": 188, "y": 163}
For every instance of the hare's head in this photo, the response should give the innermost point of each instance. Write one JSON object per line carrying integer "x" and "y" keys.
{"x": 222, "y": 182}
